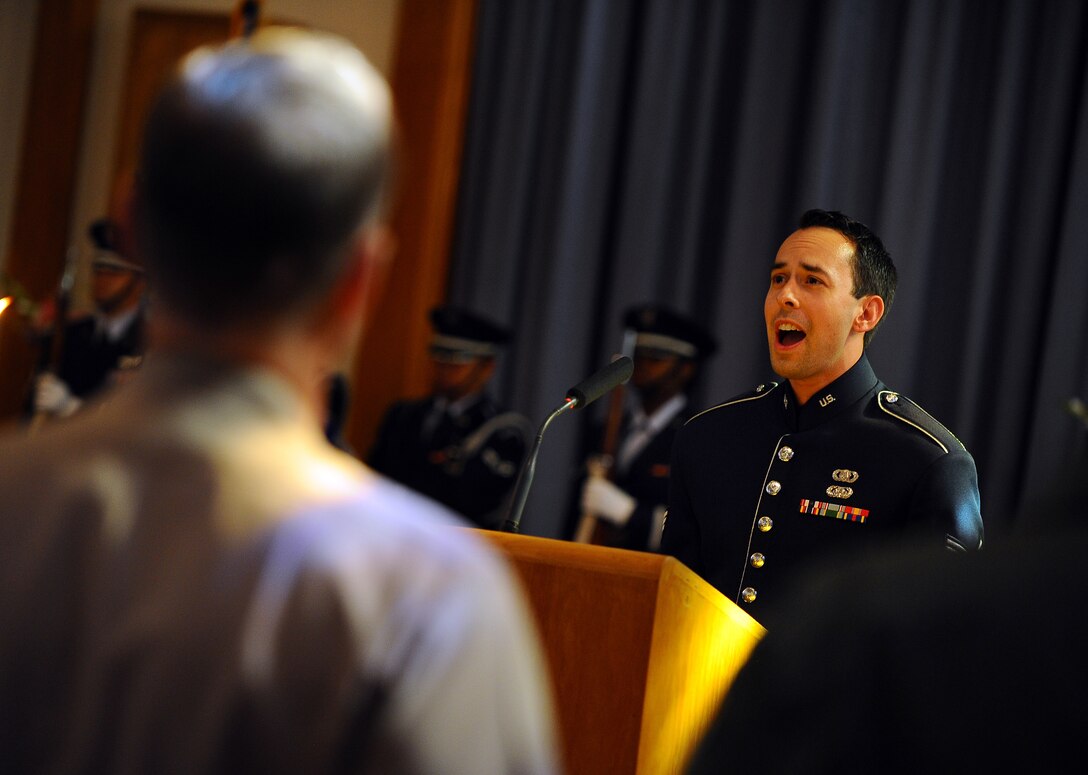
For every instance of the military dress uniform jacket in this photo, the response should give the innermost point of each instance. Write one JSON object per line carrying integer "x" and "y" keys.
{"x": 469, "y": 461}
{"x": 761, "y": 485}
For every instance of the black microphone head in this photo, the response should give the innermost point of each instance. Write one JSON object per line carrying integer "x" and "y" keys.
{"x": 596, "y": 385}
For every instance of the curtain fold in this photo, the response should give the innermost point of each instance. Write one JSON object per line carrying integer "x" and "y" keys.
{"x": 624, "y": 151}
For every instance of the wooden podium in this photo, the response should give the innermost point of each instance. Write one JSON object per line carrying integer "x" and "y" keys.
{"x": 641, "y": 651}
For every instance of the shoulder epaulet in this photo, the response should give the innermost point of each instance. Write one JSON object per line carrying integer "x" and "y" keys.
{"x": 761, "y": 391}
{"x": 906, "y": 411}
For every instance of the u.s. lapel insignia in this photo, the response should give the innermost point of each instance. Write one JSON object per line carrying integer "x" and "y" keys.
{"x": 844, "y": 475}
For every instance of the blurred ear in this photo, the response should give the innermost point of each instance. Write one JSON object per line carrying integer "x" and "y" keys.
{"x": 360, "y": 288}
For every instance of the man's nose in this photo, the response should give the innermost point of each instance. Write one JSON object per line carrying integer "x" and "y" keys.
{"x": 786, "y": 294}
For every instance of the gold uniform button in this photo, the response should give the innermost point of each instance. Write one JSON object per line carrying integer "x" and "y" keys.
{"x": 764, "y": 524}
{"x": 785, "y": 454}
{"x": 757, "y": 560}
{"x": 773, "y": 487}
{"x": 748, "y": 595}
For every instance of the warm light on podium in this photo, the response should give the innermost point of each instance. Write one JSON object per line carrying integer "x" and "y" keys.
{"x": 641, "y": 651}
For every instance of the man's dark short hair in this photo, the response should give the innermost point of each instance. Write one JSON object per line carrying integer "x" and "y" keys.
{"x": 874, "y": 272}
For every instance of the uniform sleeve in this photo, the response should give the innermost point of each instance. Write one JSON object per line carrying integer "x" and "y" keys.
{"x": 947, "y": 499}
{"x": 641, "y": 523}
{"x": 478, "y": 489}
{"x": 681, "y": 537}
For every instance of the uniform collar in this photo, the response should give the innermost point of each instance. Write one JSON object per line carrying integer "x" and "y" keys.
{"x": 832, "y": 400}
{"x": 113, "y": 328}
{"x": 459, "y": 407}
{"x": 664, "y": 414}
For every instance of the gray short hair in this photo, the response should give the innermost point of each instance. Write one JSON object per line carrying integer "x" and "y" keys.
{"x": 261, "y": 160}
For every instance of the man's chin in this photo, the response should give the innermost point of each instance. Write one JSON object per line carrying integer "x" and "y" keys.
{"x": 786, "y": 368}
{"x": 782, "y": 367}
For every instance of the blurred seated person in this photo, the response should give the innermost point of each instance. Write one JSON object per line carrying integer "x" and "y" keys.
{"x": 97, "y": 345}
{"x": 629, "y": 506}
{"x": 457, "y": 446}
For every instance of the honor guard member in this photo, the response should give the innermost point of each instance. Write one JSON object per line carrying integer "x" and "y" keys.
{"x": 669, "y": 350}
{"x": 458, "y": 445}
{"x": 828, "y": 461}
{"x": 96, "y": 346}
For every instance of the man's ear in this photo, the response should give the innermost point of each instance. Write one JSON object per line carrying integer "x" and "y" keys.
{"x": 377, "y": 246}
{"x": 872, "y": 310}
{"x": 354, "y": 299}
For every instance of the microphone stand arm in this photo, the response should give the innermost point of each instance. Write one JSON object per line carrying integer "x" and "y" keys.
{"x": 525, "y": 476}
{"x": 583, "y": 394}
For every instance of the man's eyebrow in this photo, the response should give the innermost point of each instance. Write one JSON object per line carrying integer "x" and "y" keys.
{"x": 811, "y": 268}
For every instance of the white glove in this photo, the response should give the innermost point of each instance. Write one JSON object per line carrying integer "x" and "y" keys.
{"x": 52, "y": 396}
{"x": 607, "y": 501}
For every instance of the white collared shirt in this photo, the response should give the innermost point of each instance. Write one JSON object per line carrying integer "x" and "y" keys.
{"x": 644, "y": 428}
{"x": 113, "y": 328}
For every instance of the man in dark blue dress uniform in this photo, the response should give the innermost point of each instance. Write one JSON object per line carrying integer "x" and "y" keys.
{"x": 830, "y": 461}
{"x": 99, "y": 345}
{"x": 458, "y": 445}
{"x": 629, "y": 504}
{"x": 900, "y": 645}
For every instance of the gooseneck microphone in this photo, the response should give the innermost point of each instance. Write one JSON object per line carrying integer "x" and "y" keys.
{"x": 578, "y": 397}
{"x": 596, "y": 385}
